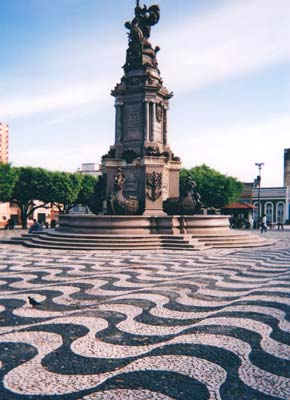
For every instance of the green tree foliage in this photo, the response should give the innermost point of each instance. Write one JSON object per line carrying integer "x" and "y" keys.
{"x": 8, "y": 179}
{"x": 216, "y": 189}
{"x": 87, "y": 190}
{"x": 65, "y": 189}
{"x": 32, "y": 184}
{"x": 91, "y": 193}
{"x": 95, "y": 201}
{"x": 24, "y": 185}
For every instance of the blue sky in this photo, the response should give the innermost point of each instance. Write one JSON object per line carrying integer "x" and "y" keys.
{"x": 227, "y": 62}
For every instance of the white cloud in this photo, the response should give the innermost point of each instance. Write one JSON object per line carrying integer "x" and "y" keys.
{"x": 235, "y": 149}
{"x": 61, "y": 76}
{"x": 61, "y": 158}
{"x": 63, "y": 97}
{"x": 237, "y": 38}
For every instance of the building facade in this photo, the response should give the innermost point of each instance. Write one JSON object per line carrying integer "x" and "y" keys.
{"x": 4, "y": 207}
{"x": 4, "y": 136}
{"x": 90, "y": 169}
{"x": 274, "y": 202}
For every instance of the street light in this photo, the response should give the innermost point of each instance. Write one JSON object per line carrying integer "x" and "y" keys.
{"x": 258, "y": 180}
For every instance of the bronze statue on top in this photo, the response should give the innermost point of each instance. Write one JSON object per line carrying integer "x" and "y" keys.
{"x": 140, "y": 52}
{"x": 144, "y": 19}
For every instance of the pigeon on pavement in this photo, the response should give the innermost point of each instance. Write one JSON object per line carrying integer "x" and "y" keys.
{"x": 33, "y": 302}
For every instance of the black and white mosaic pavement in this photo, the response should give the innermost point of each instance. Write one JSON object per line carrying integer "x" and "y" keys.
{"x": 145, "y": 325}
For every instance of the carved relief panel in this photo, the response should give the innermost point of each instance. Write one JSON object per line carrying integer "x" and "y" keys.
{"x": 153, "y": 185}
{"x": 131, "y": 182}
{"x": 133, "y": 122}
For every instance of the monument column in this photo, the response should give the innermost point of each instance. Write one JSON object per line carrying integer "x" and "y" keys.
{"x": 146, "y": 121}
{"x": 164, "y": 125}
{"x": 151, "y": 119}
{"x": 118, "y": 122}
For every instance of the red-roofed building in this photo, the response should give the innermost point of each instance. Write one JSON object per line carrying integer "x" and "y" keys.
{"x": 242, "y": 214}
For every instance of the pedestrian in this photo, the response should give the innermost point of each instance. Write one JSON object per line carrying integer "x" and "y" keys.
{"x": 11, "y": 223}
{"x": 35, "y": 227}
{"x": 280, "y": 224}
{"x": 264, "y": 223}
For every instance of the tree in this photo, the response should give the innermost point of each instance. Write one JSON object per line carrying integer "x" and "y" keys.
{"x": 216, "y": 189}
{"x": 32, "y": 184}
{"x": 95, "y": 200}
{"x": 8, "y": 179}
{"x": 24, "y": 185}
{"x": 87, "y": 190}
{"x": 64, "y": 190}
{"x": 92, "y": 193}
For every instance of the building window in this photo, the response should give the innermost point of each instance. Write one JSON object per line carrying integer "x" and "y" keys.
{"x": 269, "y": 212}
{"x": 280, "y": 212}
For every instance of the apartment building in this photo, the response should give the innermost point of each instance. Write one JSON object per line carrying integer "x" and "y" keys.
{"x": 4, "y": 142}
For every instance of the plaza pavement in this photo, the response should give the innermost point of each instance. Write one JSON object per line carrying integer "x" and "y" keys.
{"x": 145, "y": 325}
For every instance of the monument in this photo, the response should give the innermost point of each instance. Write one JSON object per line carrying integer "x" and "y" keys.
{"x": 141, "y": 152}
{"x": 139, "y": 190}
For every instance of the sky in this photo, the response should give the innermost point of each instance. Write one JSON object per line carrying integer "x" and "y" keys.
{"x": 226, "y": 61}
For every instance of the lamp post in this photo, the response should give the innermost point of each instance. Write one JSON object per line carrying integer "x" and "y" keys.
{"x": 259, "y": 165}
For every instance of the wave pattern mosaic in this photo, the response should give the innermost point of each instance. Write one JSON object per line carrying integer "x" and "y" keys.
{"x": 155, "y": 325}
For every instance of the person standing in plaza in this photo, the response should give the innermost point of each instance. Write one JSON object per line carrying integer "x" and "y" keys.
{"x": 280, "y": 224}
{"x": 264, "y": 223}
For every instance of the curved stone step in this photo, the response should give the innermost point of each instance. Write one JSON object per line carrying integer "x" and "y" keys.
{"x": 128, "y": 244}
{"x": 225, "y": 238}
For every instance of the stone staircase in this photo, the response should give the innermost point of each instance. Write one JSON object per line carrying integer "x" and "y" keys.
{"x": 70, "y": 241}
{"x": 51, "y": 239}
{"x": 232, "y": 240}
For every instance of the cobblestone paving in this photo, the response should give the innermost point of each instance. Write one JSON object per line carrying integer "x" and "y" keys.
{"x": 145, "y": 325}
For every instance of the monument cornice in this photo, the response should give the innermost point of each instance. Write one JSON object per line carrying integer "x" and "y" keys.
{"x": 114, "y": 162}
{"x": 153, "y": 160}
{"x": 162, "y": 91}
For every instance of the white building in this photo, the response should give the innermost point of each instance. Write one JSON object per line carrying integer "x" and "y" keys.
{"x": 90, "y": 169}
{"x": 273, "y": 201}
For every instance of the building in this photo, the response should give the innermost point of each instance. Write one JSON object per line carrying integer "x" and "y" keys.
{"x": 273, "y": 201}
{"x": 241, "y": 214}
{"x": 4, "y": 143}
{"x": 4, "y": 207}
{"x": 287, "y": 167}
{"x": 90, "y": 169}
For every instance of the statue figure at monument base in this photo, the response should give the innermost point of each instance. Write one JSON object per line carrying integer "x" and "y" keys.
{"x": 118, "y": 204}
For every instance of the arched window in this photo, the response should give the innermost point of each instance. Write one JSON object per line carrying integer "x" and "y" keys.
{"x": 269, "y": 211}
{"x": 280, "y": 212}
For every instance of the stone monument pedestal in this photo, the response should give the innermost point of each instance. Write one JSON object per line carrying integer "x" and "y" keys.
{"x": 151, "y": 180}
